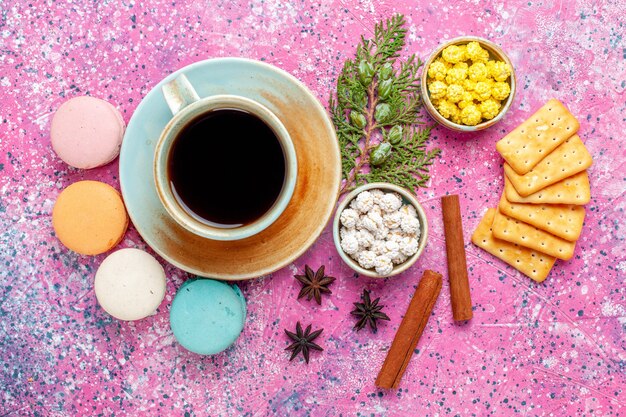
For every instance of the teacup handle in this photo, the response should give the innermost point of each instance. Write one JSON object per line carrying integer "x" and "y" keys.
{"x": 179, "y": 93}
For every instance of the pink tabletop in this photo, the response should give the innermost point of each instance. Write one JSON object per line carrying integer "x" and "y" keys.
{"x": 556, "y": 348}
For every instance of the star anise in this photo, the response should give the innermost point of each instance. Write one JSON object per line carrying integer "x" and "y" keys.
{"x": 368, "y": 312}
{"x": 303, "y": 341}
{"x": 314, "y": 283}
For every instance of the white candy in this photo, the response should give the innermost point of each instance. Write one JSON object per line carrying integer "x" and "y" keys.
{"x": 369, "y": 224}
{"x": 376, "y": 218}
{"x": 364, "y": 201}
{"x": 375, "y": 209}
{"x": 391, "y": 246}
{"x": 408, "y": 210}
{"x": 377, "y": 203}
{"x": 390, "y": 202}
{"x": 410, "y": 225}
{"x": 381, "y": 233}
{"x": 378, "y": 247}
{"x": 399, "y": 258}
{"x": 376, "y": 193}
{"x": 366, "y": 259}
{"x": 349, "y": 218}
{"x": 359, "y": 222}
{"x": 344, "y": 231}
{"x": 392, "y": 220}
{"x": 392, "y": 249}
{"x": 383, "y": 265}
{"x": 350, "y": 244}
{"x": 365, "y": 238}
{"x": 395, "y": 235}
{"x": 408, "y": 246}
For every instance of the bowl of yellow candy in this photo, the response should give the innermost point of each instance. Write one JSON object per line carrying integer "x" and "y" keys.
{"x": 468, "y": 84}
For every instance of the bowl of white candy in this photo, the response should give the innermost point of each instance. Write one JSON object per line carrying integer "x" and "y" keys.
{"x": 380, "y": 230}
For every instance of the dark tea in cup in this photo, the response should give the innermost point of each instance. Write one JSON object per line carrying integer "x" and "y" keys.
{"x": 226, "y": 168}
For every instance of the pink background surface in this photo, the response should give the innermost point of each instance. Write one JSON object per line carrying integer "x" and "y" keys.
{"x": 556, "y": 348}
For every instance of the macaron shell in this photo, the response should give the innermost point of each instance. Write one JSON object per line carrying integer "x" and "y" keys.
{"x": 89, "y": 217}
{"x": 207, "y": 316}
{"x": 120, "y": 119}
{"x": 122, "y": 130}
{"x": 130, "y": 284}
{"x": 244, "y": 306}
{"x": 87, "y": 132}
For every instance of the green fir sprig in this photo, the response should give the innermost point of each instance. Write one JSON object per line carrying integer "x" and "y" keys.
{"x": 376, "y": 112}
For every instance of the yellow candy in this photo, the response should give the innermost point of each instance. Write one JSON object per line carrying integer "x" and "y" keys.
{"x": 454, "y": 54}
{"x": 469, "y": 85}
{"x": 447, "y": 109}
{"x": 475, "y": 52}
{"x": 478, "y": 72}
{"x": 437, "y": 70}
{"x": 471, "y": 115}
{"x": 500, "y": 90}
{"x": 454, "y": 93}
{"x": 483, "y": 57}
{"x": 456, "y": 75}
{"x": 461, "y": 65}
{"x": 500, "y": 71}
{"x": 466, "y": 100}
{"x": 444, "y": 62}
{"x": 482, "y": 91}
{"x": 489, "y": 108}
{"x": 437, "y": 89}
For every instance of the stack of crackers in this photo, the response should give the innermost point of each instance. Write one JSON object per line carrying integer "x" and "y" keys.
{"x": 540, "y": 214}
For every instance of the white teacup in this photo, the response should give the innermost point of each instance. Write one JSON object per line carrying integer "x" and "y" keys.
{"x": 186, "y": 107}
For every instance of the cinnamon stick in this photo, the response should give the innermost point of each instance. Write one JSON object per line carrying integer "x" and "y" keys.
{"x": 410, "y": 330}
{"x": 457, "y": 264}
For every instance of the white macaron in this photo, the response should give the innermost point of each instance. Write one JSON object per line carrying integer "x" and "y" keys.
{"x": 130, "y": 284}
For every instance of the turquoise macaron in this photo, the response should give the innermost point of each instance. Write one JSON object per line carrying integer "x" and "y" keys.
{"x": 207, "y": 316}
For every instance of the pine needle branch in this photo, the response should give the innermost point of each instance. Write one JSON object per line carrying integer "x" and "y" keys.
{"x": 376, "y": 111}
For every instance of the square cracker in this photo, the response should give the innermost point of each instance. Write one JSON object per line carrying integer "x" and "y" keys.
{"x": 570, "y": 158}
{"x": 524, "y": 234}
{"x": 536, "y": 137}
{"x": 562, "y": 220}
{"x": 533, "y": 264}
{"x": 571, "y": 190}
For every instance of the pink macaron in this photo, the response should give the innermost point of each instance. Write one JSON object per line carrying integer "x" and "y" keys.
{"x": 87, "y": 132}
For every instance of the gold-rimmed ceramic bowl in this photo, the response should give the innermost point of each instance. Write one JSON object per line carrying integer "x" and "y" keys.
{"x": 496, "y": 53}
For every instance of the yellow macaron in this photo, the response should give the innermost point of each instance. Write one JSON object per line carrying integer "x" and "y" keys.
{"x": 89, "y": 217}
